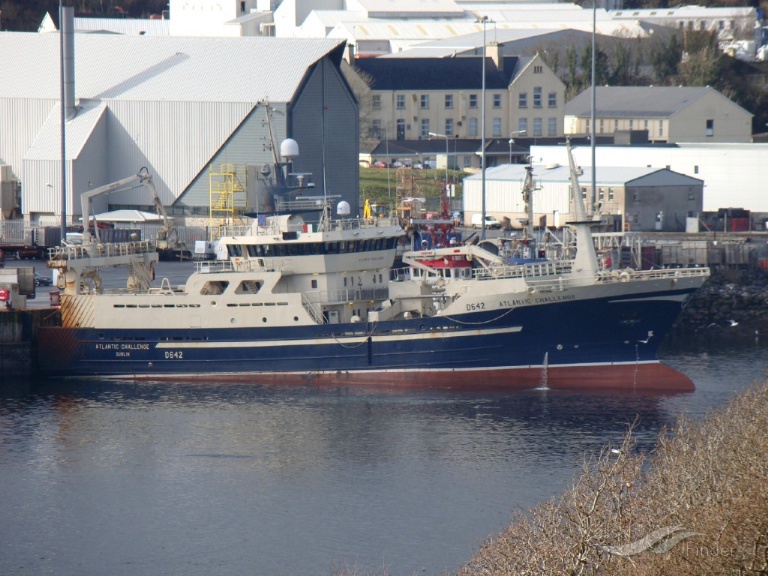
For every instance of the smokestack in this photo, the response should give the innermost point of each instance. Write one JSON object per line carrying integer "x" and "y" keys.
{"x": 68, "y": 59}
{"x": 349, "y": 54}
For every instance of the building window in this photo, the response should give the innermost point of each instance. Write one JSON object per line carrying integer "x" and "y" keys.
{"x": 497, "y": 100}
{"x": 661, "y": 128}
{"x": 449, "y": 100}
{"x": 424, "y": 128}
{"x": 537, "y": 133}
{"x": 538, "y": 69}
{"x": 472, "y": 127}
{"x": 449, "y": 126}
{"x": 602, "y": 126}
{"x": 400, "y": 101}
{"x": 473, "y": 100}
{"x": 522, "y": 100}
{"x": 696, "y": 169}
{"x": 522, "y": 125}
{"x": 552, "y": 99}
{"x": 601, "y": 194}
{"x": 376, "y": 128}
{"x": 631, "y": 124}
{"x": 537, "y": 97}
{"x": 425, "y": 100}
{"x": 551, "y": 126}
{"x": 496, "y": 127}
{"x": 466, "y": 161}
{"x": 611, "y": 195}
{"x": 710, "y": 127}
{"x": 377, "y": 101}
{"x": 314, "y": 283}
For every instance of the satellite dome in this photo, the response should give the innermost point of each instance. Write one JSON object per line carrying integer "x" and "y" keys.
{"x": 289, "y": 149}
{"x": 342, "y": 208}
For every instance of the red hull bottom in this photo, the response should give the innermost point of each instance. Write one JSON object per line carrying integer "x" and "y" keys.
{"x": 647, "y": 377}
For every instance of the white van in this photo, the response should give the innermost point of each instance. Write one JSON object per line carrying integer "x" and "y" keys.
{"x": 490, "y": 221}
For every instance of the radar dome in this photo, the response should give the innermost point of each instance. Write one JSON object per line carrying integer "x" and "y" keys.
{"x": 289, "y": 149}
{"x": 342, "y": 208}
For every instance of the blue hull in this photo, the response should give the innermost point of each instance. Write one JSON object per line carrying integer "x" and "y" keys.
{"x": 556, "y": 340}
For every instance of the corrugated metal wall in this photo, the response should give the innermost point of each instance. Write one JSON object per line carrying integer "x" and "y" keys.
{"x": 16, "y": 137}
{"x": 249, "y": 144}
{"x": 505, "y": 198}
{"x": 179, "y": 137}
{"x": 324, "y": 117}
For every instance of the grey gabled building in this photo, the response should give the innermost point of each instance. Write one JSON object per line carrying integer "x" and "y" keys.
{"x": 667, "y": 114}
{"x": 177, "y": 106}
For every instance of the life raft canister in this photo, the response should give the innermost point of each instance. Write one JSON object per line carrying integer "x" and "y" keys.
{"x": 5, "y": 295}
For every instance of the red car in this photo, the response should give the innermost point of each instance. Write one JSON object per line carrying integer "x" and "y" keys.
{"x": 379, "y": 164}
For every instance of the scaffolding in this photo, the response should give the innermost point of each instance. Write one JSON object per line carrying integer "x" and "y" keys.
{"x": 227, "y": 189}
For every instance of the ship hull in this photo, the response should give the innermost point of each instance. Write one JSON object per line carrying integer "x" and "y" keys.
{"x": 592, "y": 343}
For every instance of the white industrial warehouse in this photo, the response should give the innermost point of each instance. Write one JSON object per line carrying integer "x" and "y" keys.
{"x": 733, "y": 174}
{"x": 175, "y": 105}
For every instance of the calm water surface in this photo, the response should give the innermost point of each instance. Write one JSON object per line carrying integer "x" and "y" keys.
{"x": 125, "y": 478}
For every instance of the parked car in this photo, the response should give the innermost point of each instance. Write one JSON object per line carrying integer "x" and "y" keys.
{"x": 490, "y": 222}
{"x": 379, "y": 164}
{"x": 41, "y": 280}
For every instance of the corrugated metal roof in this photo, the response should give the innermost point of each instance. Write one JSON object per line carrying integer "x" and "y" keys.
{"x": 436, "y": 74}
{"x": 627, "y": 101}
{"x": 398, "y": 8}
{"x": 471, "y": 43}
{"x": 47, "y": 145}
{"x": 127, "y": 26}
{"x": 603, "y": 175}
{"x": 418, "y": 30}
{"x": 161, "y": 68}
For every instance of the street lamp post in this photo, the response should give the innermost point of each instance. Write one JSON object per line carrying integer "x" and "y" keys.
{"x": 434, "y": 134}
{"x": 512, "y": 141}
{"x": 62, "y": 123}
{"x": 484, "y": 21}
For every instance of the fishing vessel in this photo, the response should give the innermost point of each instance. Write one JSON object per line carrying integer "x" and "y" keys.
{"x": 294, "y": 299}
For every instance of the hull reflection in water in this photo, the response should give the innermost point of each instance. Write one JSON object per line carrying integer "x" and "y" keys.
{"x": 190, "y": 479}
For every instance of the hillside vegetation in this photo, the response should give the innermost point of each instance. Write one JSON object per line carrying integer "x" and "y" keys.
{"x": 698, "y": 504}
{"x": 388, "y": 185}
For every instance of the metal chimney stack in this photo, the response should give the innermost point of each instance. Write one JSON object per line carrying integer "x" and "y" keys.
{"x": 68, "y": 60}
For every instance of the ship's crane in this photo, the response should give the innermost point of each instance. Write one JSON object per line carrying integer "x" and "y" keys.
{"x": 143, "y": 177}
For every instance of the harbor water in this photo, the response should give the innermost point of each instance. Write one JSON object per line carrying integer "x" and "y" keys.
{"x": 127, "y": 478}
